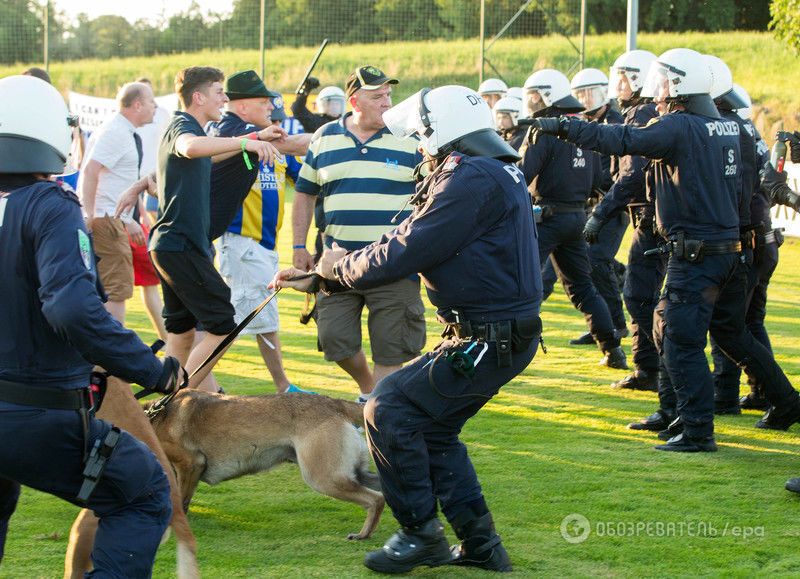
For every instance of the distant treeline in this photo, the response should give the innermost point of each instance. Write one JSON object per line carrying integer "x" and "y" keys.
{"x": 306, "y": 22}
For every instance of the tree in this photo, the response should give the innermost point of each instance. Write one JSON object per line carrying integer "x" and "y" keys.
{"x": 113, "y": 36}
{"x": 21, "y": 31}
{"x": 786, "y": 22}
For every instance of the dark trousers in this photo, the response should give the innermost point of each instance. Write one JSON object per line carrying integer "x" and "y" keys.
{"x": 602, "y": 257}
{"x": 413, "y": 427}
{"x": 710, "y": 297}
{"x": 9, "y": 495}
{"x": 44, "y": 450}
{"x": 562, "y": 237}
{"x": 643, "y": 280}
{"x": 726, "y": 373}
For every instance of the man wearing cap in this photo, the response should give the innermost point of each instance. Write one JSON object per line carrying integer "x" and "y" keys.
{"x": 365, "y": 176}
{"x": 247, "y": 211}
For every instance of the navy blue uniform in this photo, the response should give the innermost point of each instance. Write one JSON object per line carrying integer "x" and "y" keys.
{"x": 697, "y": 171}
{"x": 645, "y": 274}
{"x": 560, "y": 177}
{"x": 473, "y": 242}
{"x": 53, "y": 329}
{"x": 602, "y": 253}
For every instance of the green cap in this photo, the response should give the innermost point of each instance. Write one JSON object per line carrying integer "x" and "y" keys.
{"x": 247, "y": 85}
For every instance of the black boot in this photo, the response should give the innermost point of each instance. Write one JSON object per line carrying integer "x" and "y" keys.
{"x": 480, "y": 545}
{"x": 639, "y": 380}
{"x": 793, "y": 485}
{"x": 780, "y": 419}
{"x": 615, "y": 358}
{"x": 584, "y": 340}
{"x": 753, "y": 402}
{"x": 411, "y": 547}
{"x": 684, "y": 443}
{"x": 656, "y": 422}
{"x": 674, "y": 429}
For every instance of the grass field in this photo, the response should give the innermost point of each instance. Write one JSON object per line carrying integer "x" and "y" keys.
{"x": 760, "y": 63}
{"x": 551, "y": 444}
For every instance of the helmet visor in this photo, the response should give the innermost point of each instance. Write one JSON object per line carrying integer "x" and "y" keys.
{"x": 533, "y": 102}
{"x": 591, "y": 97}
{"x": 660, "y": 84}
{"x": 505, "y": 120}
{"x": 403, "y": 119}
{"x": 332, "y": 106}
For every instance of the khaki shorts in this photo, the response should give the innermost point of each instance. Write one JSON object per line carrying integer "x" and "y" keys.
{"x": 396, "y": 323}
{"x": 115, "y": 265}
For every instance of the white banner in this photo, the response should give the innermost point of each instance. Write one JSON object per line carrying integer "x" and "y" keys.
{"x": 94, "y": 111}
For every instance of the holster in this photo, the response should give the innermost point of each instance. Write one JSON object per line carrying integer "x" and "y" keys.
{"x": 96, "y": 463}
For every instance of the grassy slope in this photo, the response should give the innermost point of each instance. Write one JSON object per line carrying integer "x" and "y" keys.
{"x": 552, "y": 443}
{"x": 759, "y": 63}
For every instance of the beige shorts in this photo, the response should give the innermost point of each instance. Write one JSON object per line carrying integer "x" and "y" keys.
{"x": 115, "y": 263}
{"x": 396, "y": 323}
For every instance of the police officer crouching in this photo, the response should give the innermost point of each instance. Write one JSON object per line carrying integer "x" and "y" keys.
{"x": 472, "y": 238}
{"x": 53, "y": 328}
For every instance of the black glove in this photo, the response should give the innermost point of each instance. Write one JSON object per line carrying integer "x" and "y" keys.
{"x": 311, "y": 83}
{"x": 168, "y": 382}
{"x": 592, "y": 228}
{"x": 551, "y": 125}
{"x": 774, "y": 183}
{"x": 794, "y": 145}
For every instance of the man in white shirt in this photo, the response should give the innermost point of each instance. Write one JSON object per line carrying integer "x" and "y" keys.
{"x": 112, "y": 164}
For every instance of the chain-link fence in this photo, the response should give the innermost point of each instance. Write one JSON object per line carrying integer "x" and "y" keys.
{"x": 34, "y": 31}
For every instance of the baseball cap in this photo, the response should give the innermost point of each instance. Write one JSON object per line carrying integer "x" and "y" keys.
{"x": 247, "y": 85}
{"x": 278, "y": 112}
{"x": 367, "y": 77}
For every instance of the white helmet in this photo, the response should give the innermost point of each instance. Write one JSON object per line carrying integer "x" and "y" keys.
{"x": 515, "y": 92}
{"x": 722, "y": 84}
{"x": 634, "y": 66}
{"x": 590, "y": 87}
{"x": 683, "y": 76}
{"x": 492, "y": 86}
{"x": 506, "y": 107}
{"x": 548, "y": 88}
{"x": 330, "y": 101}
{"x": 35, "y": 133}
{"x": 745, "y": 112}
{"x": 449, "y": 118}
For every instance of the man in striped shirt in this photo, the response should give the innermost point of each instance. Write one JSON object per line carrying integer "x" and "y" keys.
{"x": 365, "y": 177}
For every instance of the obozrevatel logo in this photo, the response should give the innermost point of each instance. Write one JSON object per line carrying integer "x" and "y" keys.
{"x": 575, "y": 528}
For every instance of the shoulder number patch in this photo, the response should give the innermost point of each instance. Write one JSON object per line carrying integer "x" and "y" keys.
{"x": 85, "y": 248}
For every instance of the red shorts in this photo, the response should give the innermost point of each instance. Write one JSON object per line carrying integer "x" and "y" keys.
{"x": 143, "y": 271}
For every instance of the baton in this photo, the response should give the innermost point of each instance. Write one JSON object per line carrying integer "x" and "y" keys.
{"x": 312, "y": 65}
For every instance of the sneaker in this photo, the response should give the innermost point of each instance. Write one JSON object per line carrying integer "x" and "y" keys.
{"x": 292, "y": 389}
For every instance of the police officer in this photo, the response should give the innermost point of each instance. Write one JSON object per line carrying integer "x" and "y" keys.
{"x": 330, "y": 105}
{"x": 699, "y": 218}
{"x": 590, "y": 87}
{"x": 53, "y": 328}
{"x": 472, "y": 216}
{"x": 644, "y": 274}
{"x": 560, "y": 177}
{"x": 492, "y": 90}
{"x": 506, "y": 114}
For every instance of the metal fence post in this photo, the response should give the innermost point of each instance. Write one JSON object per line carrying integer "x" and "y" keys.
{"x": 46, "y": 43}
{"x": 483, "y": 40}
{"x": 261, "y": 39}
{"x": 583, "y": 34}
{"x": 632, "y": 25}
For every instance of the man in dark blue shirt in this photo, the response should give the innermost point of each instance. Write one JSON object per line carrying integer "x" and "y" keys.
{"x": 482, "y": 274}
{"x": 53, "y": 329}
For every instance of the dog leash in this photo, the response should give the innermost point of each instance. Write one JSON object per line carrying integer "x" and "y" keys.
{"x": 161, "y": 403}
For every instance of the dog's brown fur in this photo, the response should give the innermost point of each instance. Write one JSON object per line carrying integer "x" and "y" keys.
{"x": 214, "y": 437}
{"x": 121, "y": 409}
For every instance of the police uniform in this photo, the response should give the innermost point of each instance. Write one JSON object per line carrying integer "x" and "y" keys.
{"x": 53, "y": 328}
{"x": 560, "y": 177}
{"x": 414, "y": 415}
{"x": 697, "y": 177}
{"x": 645, "y": 273}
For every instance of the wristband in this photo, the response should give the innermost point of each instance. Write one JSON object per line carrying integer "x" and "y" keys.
{"x": 247, "y": 162}
{"x": 253, "y": 136}
{"x": 298, "y": 247}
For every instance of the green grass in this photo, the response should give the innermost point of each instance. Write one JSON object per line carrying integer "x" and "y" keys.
{"x": 552, "y": 443}
{"x": 759, "y": 62}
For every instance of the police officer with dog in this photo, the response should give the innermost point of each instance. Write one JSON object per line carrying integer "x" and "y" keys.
{"x": 472, "y": 238}
{"x": 699, "y": 221}
{"x": 53, "y": 328}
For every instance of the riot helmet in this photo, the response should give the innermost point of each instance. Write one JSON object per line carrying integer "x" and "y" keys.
{"x": 746, "y": 111}
{"x": 35, "y": 127}
{"x": 492, "y": 90}
{"x": 506, "y": 113}
{"x": 629, "y": 71}
{"x": 547, "y": 93}
{"x": 446, "y": 119}
{"x": 681, "y": 76}
{"x": 590, "y": 87}
{"x": 722, "y": 85}
{"x": 330, "y": 102}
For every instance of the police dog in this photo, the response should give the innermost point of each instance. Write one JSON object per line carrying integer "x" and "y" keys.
{"x": 121, "y": 409}
{"x": 215, "y": 437}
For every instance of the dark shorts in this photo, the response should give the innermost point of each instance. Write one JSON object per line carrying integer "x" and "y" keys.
{"x": 193, "y": 292}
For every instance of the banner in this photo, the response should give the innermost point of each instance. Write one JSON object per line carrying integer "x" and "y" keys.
{"x": 94, "y": 111}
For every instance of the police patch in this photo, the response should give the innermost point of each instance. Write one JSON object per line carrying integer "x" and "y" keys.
{"x": 452, "y": 163}
{"x": 85, "y": 247}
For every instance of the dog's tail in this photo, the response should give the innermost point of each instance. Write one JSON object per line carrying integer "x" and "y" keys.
{"x": 353, "y": 411}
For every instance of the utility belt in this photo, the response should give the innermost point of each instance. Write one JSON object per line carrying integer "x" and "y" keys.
{"x": 508, "y": 335}
{"x": 86, "y": 401}
{"x": 694, "y": 250}
{"x": 543, "y": 210}
{"x": 642, "y": 216}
